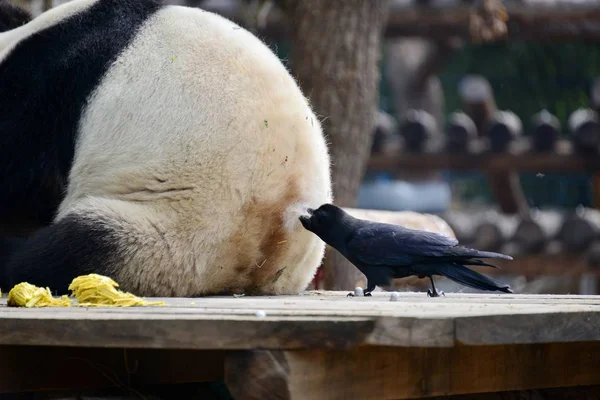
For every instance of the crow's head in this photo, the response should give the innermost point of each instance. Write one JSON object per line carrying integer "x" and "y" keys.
{"x": 328, "y": 222}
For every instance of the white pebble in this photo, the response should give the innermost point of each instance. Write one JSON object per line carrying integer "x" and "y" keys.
{"x": 395, "y": 296}
{"x": 358, "y": 291}
{"x": 261, "y": 314}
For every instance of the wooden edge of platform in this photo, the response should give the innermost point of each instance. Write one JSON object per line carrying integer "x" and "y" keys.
{"x": 291, "y": 334}
{"x": 53, "y": 368}
{"x": 300, "y": 322}
{"x": 409, "y": 373}
{"x": 528, "y": 328}
{"x": 366, "y": 372}
{"x": 208, "y": 333}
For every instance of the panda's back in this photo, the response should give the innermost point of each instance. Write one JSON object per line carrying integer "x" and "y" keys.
{"x": 193, "y": 94}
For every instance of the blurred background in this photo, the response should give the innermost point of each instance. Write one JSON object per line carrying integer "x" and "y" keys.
{"x": 482, "y": 113}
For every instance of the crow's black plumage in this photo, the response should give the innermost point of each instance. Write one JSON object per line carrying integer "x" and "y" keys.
{"x": 384, "y": 251}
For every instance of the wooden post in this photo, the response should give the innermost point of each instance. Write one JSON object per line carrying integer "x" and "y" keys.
{"x": 580, "y": 230}
{"x": 546, "y": 129}
{"x": 411, "y": 373}
{"x": 384, "y": 134}
{"x": 584, "y": 125}
{"x": 258, "y": 375}
{"x": 504, "y": 129}
{"x": 529, "y": 237}
{"x": 488, "y": 236}
{"x": 419, "y": 131}
{"x": 478, "y": 98}
{"x": 461, "y": 132}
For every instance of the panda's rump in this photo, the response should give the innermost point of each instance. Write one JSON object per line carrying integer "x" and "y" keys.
{"x": 201, "y": 129}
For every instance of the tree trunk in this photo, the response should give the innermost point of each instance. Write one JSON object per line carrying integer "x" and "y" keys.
{"x": 335, "y": 57}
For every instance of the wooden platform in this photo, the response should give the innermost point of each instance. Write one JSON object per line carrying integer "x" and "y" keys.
{"x": 320, "y": 345}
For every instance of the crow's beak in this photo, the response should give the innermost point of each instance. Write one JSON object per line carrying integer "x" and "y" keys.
{"x": 305, "y": 221}
{"x": 305, "y": 218}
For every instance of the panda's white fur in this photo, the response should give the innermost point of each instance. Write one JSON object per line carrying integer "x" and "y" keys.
{"x": 199, "y": 149}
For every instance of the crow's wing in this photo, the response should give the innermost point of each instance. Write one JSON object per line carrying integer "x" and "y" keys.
{"x": 386, "y": 244}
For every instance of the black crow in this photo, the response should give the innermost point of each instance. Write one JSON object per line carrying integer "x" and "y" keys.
{"x": 385, "y": 251}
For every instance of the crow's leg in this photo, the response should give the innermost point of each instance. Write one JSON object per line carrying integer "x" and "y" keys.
{"x": 370, "y": 287}
{"x": 353, "y": 294}
{"x": 433, "y": 291}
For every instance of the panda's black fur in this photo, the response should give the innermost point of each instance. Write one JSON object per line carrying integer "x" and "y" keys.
{"x": 12, "y": 17}
{"x": 32, "y": 185}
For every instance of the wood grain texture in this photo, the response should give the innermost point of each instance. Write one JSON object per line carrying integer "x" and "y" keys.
{"x": 258, "y": 375}
{"x": 327, "y": 320}
{"x": 367, "y": 372}
{"x": 36, "y": 368}
{"x": 569, "y": 393}
{"x": 544, "y": 328}
{"x": 183, "y": 331}
{"x": 410, "y": 373}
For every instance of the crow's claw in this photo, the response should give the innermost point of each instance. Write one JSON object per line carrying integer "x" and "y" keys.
{"x": 437, "y": 293}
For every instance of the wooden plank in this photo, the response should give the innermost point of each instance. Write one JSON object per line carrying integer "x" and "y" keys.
{"x": 326, "y": 304}
{"x": 568, "y": 393}
{"x": 325, "y": 320}
{"x": 485, "y": 162}
{"x": 33, "y": 368}
{"x": 313, "y": 297}
{"x": 409, "y": 373}
{"x": 522, "y": 329}
{"x": 413, "y": 332}
{"x": 337, "y": 308}
{"x": 182, "y": 331}
{"x": 266, "y": 374}
{"x": 528, "y": 19}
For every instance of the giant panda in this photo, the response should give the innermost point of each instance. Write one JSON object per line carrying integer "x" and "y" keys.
{"x": 163, "y": 146}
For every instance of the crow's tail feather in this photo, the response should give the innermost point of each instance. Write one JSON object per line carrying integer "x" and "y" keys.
{"x": 491, "y": 254}
{"x": 478, "y": 263}
{"x": 465, "y": 276}
{"x": 465, "y": 252}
